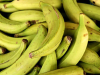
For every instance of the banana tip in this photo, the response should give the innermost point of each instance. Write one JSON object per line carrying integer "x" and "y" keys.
{"x": 25, "y": 40}
{"x": 30, "y": 55}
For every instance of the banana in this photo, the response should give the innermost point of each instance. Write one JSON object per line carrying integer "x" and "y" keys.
{"x": 56, "y": 27}
{"x": 9, "y": 58}
{"x": 95, "y": 46}
{"x": 91, "y": 57}
{"x": 72, "y": 27}
{"x": 50, "y": 63}
{"x": 61, "y": 49}
{"x": 70, "y": 70}
{"x": 90, "y": 10}
{"x": 78, "y": 46}
{"x": 33, "y": 4}
{"x": 73, "y": 11}
{"x": 12, "y": 27}
{"x": 27, "y": 15}
{"x": 24, "y": 64}
{"x": 15, "y": 40}
{"x": 31, "y": 30}
{"x": 3, "y": 50}
{"x": 7, "y": 10}
{"x": 35, "y": 70}
{"x": 95, "y": 2}
{"x": 88, "y": 68}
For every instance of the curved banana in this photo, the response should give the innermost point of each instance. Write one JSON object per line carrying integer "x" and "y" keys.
{"x": 35, "y": 70}
{"x": 3, "y": 50}
{"x": 91, "y": 57}
{"x": 78, "y": 46}
{"x": 95, "y": 46}
{"x": 33, "y": 4}
{"x": 24, "y": 64}
{"x": 31, "y": 30}
{"x": 95, "y": 2}
{"x": 70, "y": 70}
{"x": 50, "y": 63}
{"x": 12, "y": 27}
{"x": 72, "y": 27}
{"x": 27, "y": 15}
{"x": 61, "y": 49}
{"x": 15, "y": 40}
{"x": 88, "y": 68}
{"x": 73, "y": 11}
{"x": 7, "y": 10}
{"x": 10, "y": 58}
{"x": 90, "y": 10}
{"x": 56, "y": 27}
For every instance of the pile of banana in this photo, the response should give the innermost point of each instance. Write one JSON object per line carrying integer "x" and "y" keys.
{"x": 56, "y": 37}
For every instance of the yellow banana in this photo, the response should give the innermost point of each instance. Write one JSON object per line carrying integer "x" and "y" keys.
{"x": 15, "y": 40}
{"x": 50, "y": 63}
{"x": 33, "y": 4}
{"x": 90, "y": 10}
{"x": 95, "y": 2}
{"x": 7, "y": 10}
{"x": 56, "y": 27}
{"x": 27, "y": 15}
{"x": 72, "y": 27}
{"x": 24, "y": 64}
{"x": 70, "y": 70}
{"x": 73, "y": 11}
{"x": 89, "y": 68}
{"x": 78, "y": 46}
{"x": 9, "y": 58}
{"x": 12, "y": 27}
{"x": 31, "y": 30}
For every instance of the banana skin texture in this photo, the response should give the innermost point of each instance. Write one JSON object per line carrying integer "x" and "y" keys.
{"x": 9, "y": 58}
{"x": 56, "y": 27}
{"x": 24, "y": 64}
{"x": 70, "y": 70}
{"x": 78, "y": 46}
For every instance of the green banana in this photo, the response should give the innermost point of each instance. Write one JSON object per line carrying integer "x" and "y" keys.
{"x": 56, "y": 27}
{"x": 89, "y": 68}
{"x": 70, "y": 70}
{"x": 24, "y": 64}
{"x": 3, "y": 50}
{"x": 91, "y": 57}
{"x": 63, "y": 47}
{"x": 9, "y": 58}
{"x": 7, "y": 10}
{"x": 27, "y": 15}
{"x": 95, "y": 2}
{"x": 30, "y": 30}
{"x": 50, "y": 63}
{"x": 35, "y": 70}
{"x": 95, "y": 46}
{"x": 73, "y": 11}
{"x": 90, "y": 10}
{"x": 12, "y": 27}
{"x": 72, "y": 27}
{"x": 33, "y": 4}
{"x": 78, "y": 46}
{"x": 15, "y": 40}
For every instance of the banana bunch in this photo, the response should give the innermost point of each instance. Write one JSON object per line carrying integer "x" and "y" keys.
{"x": 36, "y": 38}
